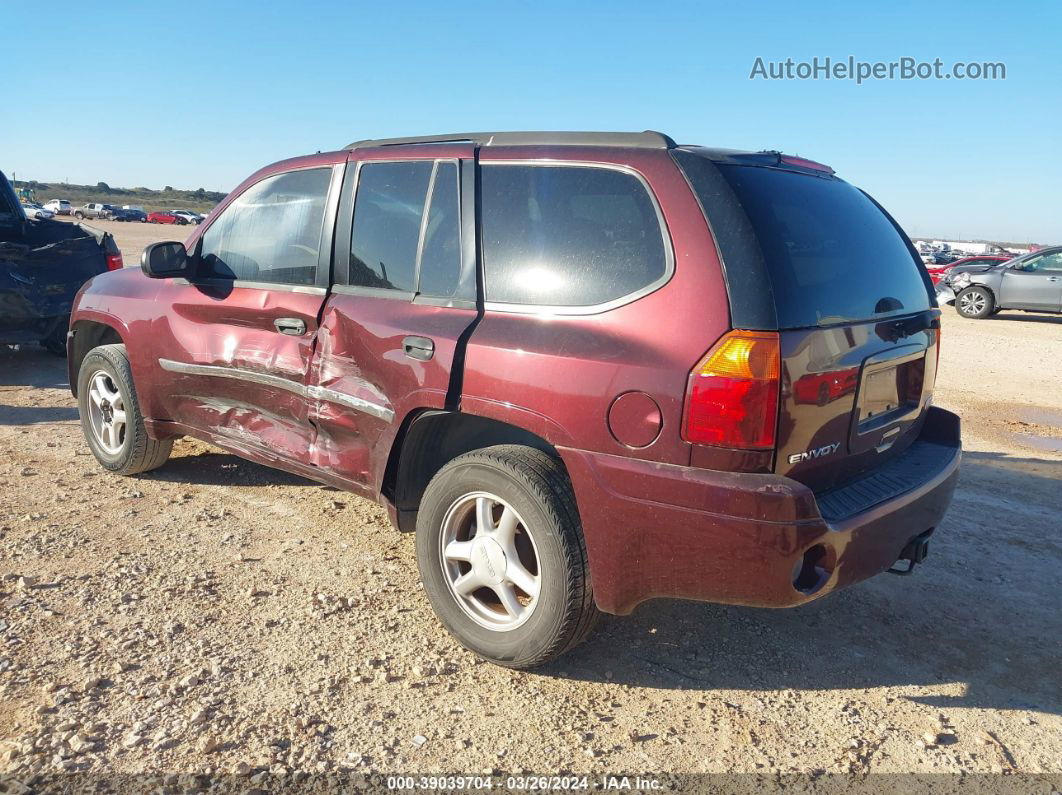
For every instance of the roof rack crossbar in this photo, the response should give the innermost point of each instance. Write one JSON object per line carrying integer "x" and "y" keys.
{"x": 643, "y": 140}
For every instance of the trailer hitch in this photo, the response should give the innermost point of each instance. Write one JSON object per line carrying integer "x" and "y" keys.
{"x": 914, "y": 553}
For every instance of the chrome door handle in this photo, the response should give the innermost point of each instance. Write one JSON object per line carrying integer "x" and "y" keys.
{"x": 293, "y": 326}
{"x": 1052, "y": 278}
{"x": 420, "y": 348}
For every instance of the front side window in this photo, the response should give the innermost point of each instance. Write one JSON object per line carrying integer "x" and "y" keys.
{"x": 1045, "y": 262}
{"x": 568, "y": 235}
{"x": 271, "y": 232}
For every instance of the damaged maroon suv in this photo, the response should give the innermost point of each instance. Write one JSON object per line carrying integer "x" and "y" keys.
{"x": 586, "y": 369}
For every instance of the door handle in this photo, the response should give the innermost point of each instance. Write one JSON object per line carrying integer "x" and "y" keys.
{"x": 420, "y": 348}
{"x": 1052, "y": 278}
{"x": 294, "y": 326}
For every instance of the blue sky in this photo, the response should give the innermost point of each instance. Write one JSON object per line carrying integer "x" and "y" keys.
{"x": 201, "y": 94}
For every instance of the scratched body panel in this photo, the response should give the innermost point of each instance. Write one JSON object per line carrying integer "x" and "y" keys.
{"x": 232, "y": 328}
{"x": 360, "y": 353}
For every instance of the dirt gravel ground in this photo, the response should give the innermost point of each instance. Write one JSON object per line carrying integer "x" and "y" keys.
{"x": 216, "y": 616}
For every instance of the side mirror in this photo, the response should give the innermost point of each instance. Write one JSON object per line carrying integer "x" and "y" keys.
{"x": 165, "y": 260}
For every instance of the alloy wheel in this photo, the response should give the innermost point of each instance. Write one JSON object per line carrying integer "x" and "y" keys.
{"x": 490, "y": 561}
{"x": 106, "y": 412}
{"x": 972, "y": 303}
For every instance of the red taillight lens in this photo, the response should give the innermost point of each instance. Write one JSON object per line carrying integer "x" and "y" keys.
{"x": 732, "y": 393}
{"x": 114, "y": 262}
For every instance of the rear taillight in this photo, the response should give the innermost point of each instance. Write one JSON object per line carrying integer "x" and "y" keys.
{"x": 114, "y": 262}
{"x": 732, "y": 393}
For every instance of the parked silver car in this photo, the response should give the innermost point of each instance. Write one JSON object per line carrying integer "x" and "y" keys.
{"x": 1031, "y": 282}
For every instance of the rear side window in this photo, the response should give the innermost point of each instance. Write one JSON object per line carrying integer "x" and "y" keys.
{"x": 271, "y": 232}
{"x": 440, "y": 256}
{"x": 387, "y": 213}
{"x": 568, "y": 236}
{"x": 831, "y": 254}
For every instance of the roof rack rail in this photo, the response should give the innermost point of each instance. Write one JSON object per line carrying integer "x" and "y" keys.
{"x": 643, "y": 140}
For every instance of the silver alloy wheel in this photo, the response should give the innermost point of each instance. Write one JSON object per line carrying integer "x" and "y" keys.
{"x": 106, "y": 412}
{"x": 972, "y": 303}
{"x": 490, "y": 561}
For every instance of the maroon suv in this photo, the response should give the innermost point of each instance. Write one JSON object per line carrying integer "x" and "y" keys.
{"x": 573, "y": 363}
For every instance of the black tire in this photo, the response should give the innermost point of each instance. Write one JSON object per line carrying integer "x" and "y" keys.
{"x": 138, "y": 452}
{"x": 79, "y": 216}
{"x": 975, "y": 303}
{"x": 537, "y": 487}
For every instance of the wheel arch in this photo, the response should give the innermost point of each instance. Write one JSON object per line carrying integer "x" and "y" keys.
{"x": 86, "y": 334}
{"x": 430, "y": 438}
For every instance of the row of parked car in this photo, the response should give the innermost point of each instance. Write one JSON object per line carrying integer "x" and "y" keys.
{"x": 110, "y": 212}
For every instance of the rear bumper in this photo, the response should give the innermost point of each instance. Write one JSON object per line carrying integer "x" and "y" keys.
{"x": 656, "y": 530}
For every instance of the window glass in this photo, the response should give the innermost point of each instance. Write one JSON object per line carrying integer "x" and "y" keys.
{"x": 271, "y": 232}
{"x": 440, "y": 258}
{"x": 387, "y": 215}
{"x": 567, "y": 235}
{"x": 833, "y": 256}
{"x": 1048, "y": 262}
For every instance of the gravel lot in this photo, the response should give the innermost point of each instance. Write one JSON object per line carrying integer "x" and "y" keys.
{"x": 217, "y": 616}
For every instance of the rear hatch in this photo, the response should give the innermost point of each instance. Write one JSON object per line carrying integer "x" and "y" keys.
{"x": 816, "y": 260}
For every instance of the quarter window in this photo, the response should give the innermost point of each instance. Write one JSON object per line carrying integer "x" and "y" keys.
{"x": 271, "y": 232}
{"x": 440, "y": 256}
{"x": 568, "y": 235}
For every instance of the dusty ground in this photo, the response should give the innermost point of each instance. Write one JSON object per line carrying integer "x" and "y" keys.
{"x": 216, "y": 615}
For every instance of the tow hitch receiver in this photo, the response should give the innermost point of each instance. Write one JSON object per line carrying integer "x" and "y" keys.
{"x": 914, "y": 553}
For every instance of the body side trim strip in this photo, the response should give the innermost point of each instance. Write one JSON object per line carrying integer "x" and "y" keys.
{"x": 265, "y": 379}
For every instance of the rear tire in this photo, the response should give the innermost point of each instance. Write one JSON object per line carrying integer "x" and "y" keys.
{"x": 975, "y": 303}
{"x": 105, "y": 390}
{"x": 530, "y": 536}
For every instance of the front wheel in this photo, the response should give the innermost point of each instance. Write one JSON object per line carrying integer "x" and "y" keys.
{"x": 975, "y": 302}
{"x": 501, "y": 555}
{"x": 110, "y": 414}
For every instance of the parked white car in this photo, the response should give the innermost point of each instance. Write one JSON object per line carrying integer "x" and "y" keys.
{"x": 58, "y": 206}
{"x": 189, "y": 216}
{"x": 36, "y": 212}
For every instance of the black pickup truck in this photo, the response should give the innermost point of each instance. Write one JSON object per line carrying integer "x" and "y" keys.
{"x": 43, "y": 264}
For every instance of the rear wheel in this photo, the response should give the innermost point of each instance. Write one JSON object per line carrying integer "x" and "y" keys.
{"x": 975, "y": 302}
{"x": 110, "y": 414}
{"x": 502, "y": 558}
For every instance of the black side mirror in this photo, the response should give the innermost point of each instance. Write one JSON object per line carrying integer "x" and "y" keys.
{"x": 165, "y": 260}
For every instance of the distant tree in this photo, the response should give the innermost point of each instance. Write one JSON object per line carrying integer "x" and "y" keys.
{"x": 200, "y": 193}
{"x": 103, "y": 186}
{"x": 168, "y": 189}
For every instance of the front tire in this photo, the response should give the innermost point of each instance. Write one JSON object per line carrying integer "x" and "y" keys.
{"x": 975, "y": 303}
{"x": 111, "y": 417}
{"x": 501, "y": 555}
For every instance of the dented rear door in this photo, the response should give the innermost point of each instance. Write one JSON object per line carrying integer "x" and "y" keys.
{"x": 392, "y": 330}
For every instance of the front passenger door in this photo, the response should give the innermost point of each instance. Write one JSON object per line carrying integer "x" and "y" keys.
{"x": 1038, "y": 285}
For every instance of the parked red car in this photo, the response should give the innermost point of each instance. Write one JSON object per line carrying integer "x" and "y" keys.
{"x": 162, "y": 217}
{"x": 562, "y": 359}
{"x": 937, "y": 272}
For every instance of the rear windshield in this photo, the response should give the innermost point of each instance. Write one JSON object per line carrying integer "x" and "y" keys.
{"x": 831, "y": 255}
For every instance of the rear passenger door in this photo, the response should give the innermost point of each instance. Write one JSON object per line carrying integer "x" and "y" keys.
{"x": 404, "y": 293}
